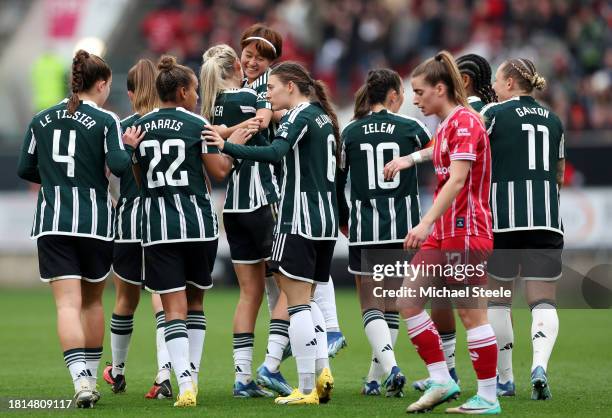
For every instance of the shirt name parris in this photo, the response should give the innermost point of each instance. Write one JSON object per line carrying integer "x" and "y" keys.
{"x": 163, "y": 124}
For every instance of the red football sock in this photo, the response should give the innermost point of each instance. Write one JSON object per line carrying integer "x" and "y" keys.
{"x": 425, "y": 338}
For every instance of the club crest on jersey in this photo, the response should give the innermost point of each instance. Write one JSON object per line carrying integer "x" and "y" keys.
{"x": 460, "y": 223}
{"x": 444, "y": 145}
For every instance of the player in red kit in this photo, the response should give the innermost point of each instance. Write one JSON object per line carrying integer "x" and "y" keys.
{"x": 455, "y": 232}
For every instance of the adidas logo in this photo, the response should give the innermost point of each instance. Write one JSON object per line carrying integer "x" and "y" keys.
{"x": 507, "y": 347}
{"x": 474, "y": 355}
{"x": 318, "y": 328}
{"x": 85, "y": 373}
{"x": 167, "y": 366}
{"x": 238, "y": 369}
{"x": 311, "y": 343}
{"x": 375, "y": 360}
{"x": 538, "y": 334}
{"x": 185, "y": 374}
{"x": 193, "y": 367}
{"x": 121, "y": 366}
{"x": 387, "y": 348}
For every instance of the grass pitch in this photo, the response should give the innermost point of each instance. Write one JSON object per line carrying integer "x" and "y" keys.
{"x": 33, "y": 368}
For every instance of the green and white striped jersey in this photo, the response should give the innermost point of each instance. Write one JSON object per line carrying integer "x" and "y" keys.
{"x": 67, "y": 154}
{"x": 129, "y": 210}
{"x": 476, "y": 103}
{"x": 261, "y": 89}
{"x": 527, "y": 141}
{"x": 251, "y": 183}
{"x": 176, "y": 202}
{"x": 381, "y": 211}
{"x": 308, "y": 204}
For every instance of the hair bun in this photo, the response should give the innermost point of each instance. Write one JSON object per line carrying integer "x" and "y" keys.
{"x": 166, "y": 63}
{"x": 80, "y": 55}
{"x": 538, "y": 82}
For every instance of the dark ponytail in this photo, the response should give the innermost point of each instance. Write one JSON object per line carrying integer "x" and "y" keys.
{"x": 87, "y": 69}
{"x": 315, "y": 89}
{"x": 323, "y": 96}
{"x": 375, "y": 90}
{"x": 362, "y": 106}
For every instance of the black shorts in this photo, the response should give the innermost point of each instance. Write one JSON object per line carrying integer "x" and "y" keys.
{"x": 530, "y": 254}
{"x": 127, "y": 262}
{"x": 362, "y": 258}
{"x": 300, "y": 258}
{"x": 71, "y": 257}
{"x": 170, "y": 267}
{"x": 249, "y": 235}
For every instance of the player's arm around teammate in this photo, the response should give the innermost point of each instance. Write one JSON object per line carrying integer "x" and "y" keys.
{"x": 247, "y": 214}
{"x": 261, "y": 46}
{"x": 461, "y": 159}
{"x": 528, "y": 155}
{"x": 66, "y": 148}
{"x": 382, "y": 212}
{"x": 307, "y": 225}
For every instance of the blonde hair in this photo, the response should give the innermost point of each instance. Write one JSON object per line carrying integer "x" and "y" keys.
{"x": 217, "y": 67}
{"x": 523, "y": 71}
{"x": 141, "y": 82}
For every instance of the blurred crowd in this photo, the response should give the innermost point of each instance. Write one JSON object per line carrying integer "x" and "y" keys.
{"x": 570, "y": 41}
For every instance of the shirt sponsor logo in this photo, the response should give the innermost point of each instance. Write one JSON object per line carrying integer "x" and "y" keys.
{"x": 463, "y": 132}
{"x": 442, "y": 171}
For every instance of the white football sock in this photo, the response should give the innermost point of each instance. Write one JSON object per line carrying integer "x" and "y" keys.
{"x": 303, "y": 345}
{"x": 376, "y": 372}
{"x": 449, "y": 341}
{"x": 178, "y": 347}
{"x": 75, "y": 361}
{"x": 325, "y": 297}
{"x": 544, "y": 330}
{"x": 196, "y": 333}
{"x": 278, "y": 339}
{"x": 92, "y": 361}
{"x": 393, "y": 318}
{"x": 121, "y": 333}
{"x": 501, "y": 321}
{"x": 164, "y": 365}
{"x": 377, "y": 331}
{"x": 243, "y": 356}
{"x": 322, "y": 360}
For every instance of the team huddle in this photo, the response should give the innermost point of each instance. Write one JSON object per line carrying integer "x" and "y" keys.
{"x": 133, "y": 197}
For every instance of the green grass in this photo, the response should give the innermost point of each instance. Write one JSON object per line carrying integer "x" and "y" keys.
{"x": 32, "y": 365}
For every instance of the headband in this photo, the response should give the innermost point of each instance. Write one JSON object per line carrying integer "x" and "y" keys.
{"x": 259, "y": 38}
